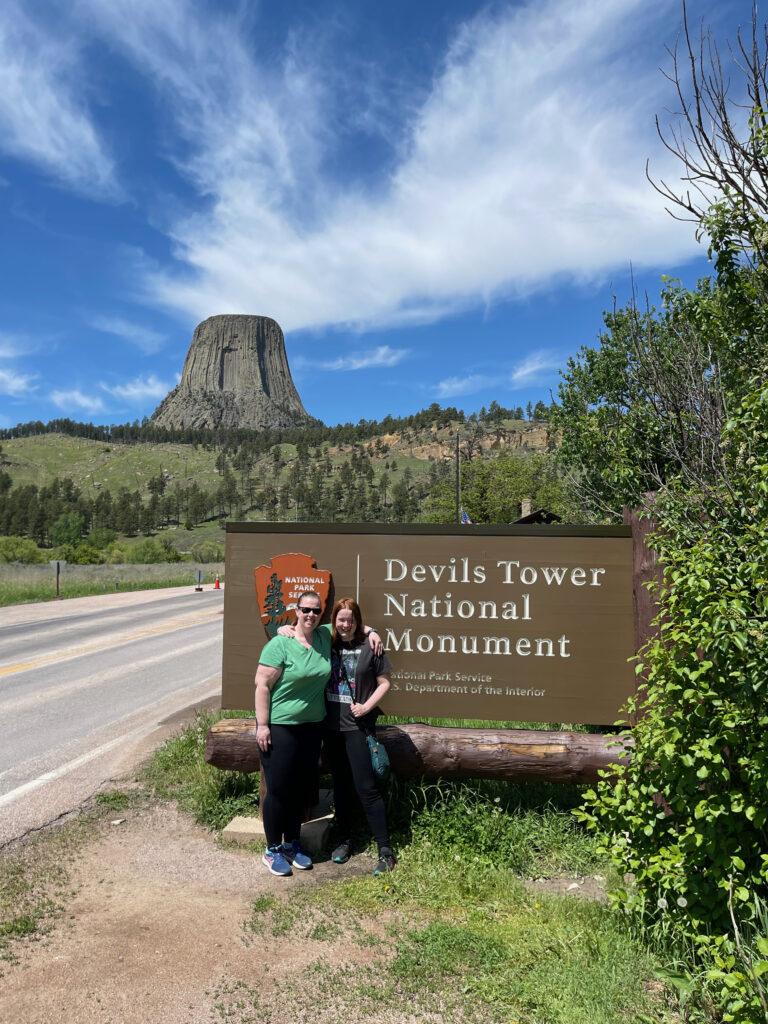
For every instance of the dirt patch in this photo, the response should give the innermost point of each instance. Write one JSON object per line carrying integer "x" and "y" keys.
{"x": 161, "y": 929}
{"x": 154, "y": 926}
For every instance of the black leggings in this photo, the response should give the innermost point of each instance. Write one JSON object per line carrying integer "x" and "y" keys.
{"x": 349, "y": 759}
{"x": 290, "y": 769}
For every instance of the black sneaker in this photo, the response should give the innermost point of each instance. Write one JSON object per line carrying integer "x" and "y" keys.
{"x": 341, "y": 854}
{"x": 386, "y": 861}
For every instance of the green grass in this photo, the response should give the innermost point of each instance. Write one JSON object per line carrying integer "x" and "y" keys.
{"x": 39, "y": 459}
{"x": 213, "y": 797}
{"x": 24, "y": 593}
{"x": 34, "y": 885}
{"x": 114, "y": 800}
{"x": 453, "y": 929}
{"x": 466, "y": 942}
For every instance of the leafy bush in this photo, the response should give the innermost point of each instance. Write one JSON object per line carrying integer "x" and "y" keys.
{"x": 85, "y": 554}
{"x": 67, "y": 528}
{"x": 149, "y": 550}
{"x": 101, "y": 537}
{"x": 116, "y": 553}
{"x": 208, "y": 551}
{"x": 687, "y": 814}
{"x": 20, "y": 549}
{"x": 80, "y": 554}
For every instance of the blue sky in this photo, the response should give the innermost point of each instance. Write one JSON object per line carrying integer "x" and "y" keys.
{"x": 435, "y": 199}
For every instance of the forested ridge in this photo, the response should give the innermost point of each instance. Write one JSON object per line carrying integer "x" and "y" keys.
{"x": 77, "y": 496}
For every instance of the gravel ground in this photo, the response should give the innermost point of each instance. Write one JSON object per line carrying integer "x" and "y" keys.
{"x": 154, "y": 931}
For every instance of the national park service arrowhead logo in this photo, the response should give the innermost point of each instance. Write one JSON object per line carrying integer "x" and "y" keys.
{"x": 279, "y": 584}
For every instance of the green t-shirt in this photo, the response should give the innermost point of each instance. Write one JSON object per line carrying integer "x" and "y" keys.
{"x": 298, "y": 695}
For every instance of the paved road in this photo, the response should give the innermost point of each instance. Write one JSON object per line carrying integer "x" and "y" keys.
{"x": 89, "y": 685}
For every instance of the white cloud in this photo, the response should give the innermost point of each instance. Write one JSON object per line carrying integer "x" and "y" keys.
{"x": 524, "y": 374}
{"x": 43, "y": 118}
{"x": 16, "y": 383}
{"x": 12, "y": 345}
{"x": 139, "y": 390}
{"x": 145, "y": 338}
{"x": 520, "y": 168}
{"x": 452, "y": 387}
{"x": 531, "y": 366}
{"x": 523, "y": 167}
{"x": 68, "y": 400}
{"x": 381, "y": 356}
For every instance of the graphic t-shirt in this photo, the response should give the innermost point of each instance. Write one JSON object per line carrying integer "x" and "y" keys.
{"x": 297, "y": 696}
{"x": 358, "y": 663}
{"x": 338, "y": 691}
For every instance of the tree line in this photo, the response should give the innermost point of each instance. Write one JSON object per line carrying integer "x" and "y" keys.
{"x": 313, "y": 431}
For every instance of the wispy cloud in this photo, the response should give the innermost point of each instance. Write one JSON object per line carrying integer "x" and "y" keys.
{"x": 521, "y": 167}
{"x": 379, "y": 357}
{"x": 452, "y": 387}
{"x": 533, "y": 365}
{"x": 16, "y": 384}
{"x": 148, "y": 340}
{"x": 524, "y": 166}
{"x": 12, "y": 345}
{"x": 138, "y": 390}
{"x": 43, "y": 116}
{"x": 70, "y": 400}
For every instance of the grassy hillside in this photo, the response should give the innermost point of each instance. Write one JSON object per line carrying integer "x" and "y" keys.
{"x": 94, "y": 465}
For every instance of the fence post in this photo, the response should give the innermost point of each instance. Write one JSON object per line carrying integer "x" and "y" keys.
{"x": 645, "y": 569}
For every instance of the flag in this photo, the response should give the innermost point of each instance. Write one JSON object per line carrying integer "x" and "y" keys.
{"x": 465, "y": 518}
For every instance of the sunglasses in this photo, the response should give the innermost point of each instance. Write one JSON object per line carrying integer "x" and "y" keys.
{"x": 309, "y": 611}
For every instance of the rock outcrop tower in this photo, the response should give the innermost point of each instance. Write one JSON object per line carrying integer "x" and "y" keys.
{"x": 235, "y": 375}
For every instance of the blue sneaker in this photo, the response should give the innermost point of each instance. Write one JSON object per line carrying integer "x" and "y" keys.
{"x": 276, "y": 861}
{"x": 293, "y": 853}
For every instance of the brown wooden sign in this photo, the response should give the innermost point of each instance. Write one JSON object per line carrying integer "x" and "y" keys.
{"x": 499, "y": 623}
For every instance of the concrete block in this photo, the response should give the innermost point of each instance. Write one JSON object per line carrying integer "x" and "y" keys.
{"x": 314, "y": 833}
{"x": 245, "y": 830}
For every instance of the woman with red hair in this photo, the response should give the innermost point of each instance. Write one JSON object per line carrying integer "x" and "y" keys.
{"x": 359, "y": 679}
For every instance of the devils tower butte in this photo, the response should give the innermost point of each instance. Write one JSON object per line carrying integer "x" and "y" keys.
{"x": 235, "y": 375}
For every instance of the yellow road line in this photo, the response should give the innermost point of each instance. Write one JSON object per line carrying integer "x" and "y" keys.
{"x": 183, "y": 622}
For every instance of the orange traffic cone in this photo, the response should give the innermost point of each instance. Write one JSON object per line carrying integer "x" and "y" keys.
{"x": 217, "y": 585}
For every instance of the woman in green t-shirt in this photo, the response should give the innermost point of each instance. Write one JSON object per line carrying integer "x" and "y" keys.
{"x": 290, "y": 708}
{"x": 290, "y": 681}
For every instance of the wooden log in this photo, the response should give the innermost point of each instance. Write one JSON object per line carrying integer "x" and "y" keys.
{"x": 431, "y": 752}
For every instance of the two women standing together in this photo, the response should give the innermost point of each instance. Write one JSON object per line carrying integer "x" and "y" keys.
{"x": 320, "y": 685}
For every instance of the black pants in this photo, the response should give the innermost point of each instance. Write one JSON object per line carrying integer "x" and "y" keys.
{"x": 290, "y": 768}
{"x": 350, "y": 762}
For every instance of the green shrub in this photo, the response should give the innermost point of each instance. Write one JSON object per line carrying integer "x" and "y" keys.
{"x": 687, "y": 815}
{"x": 101, "y": 537}
{"x": 21, "y": 549}
{"x": 84, "y": 554}
{"x": 67, "y": 528}
{"x": 145, "y": 551}
{"x": 208, "y": 551}
{"x": 116, "y": 553}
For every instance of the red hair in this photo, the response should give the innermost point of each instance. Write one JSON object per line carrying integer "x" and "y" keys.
{"x": 349, "y": 604}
